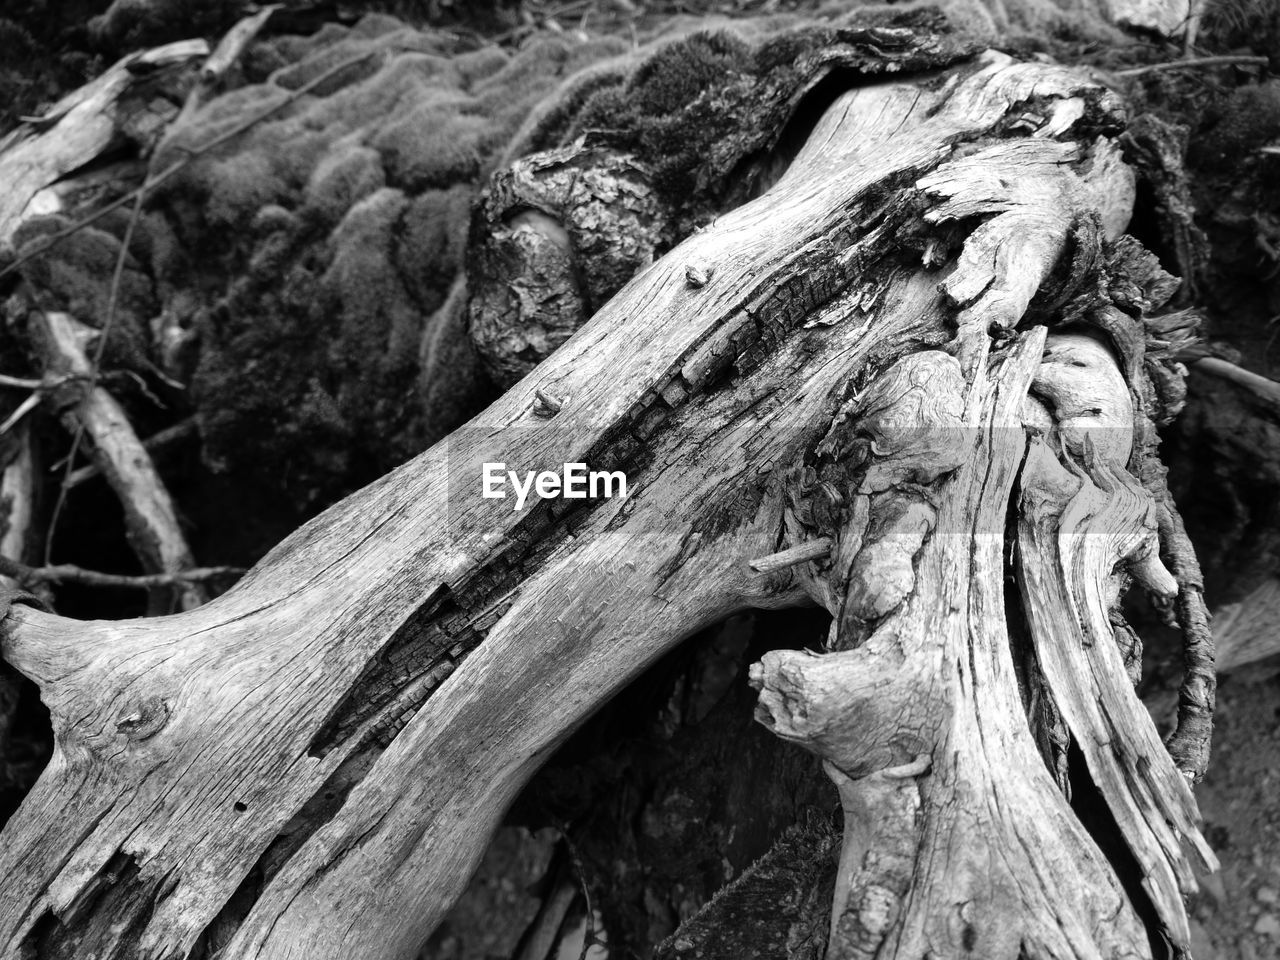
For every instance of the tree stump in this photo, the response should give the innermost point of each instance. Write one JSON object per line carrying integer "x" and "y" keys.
{"x": 918, "y": 367}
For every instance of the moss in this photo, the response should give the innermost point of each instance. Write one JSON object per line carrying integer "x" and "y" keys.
{"x": 376, "y": 319}
{"x": 325, "y": 244}
{"x": 1248, "y": 119}
{"x": 313, "y": 67}
{"x": 296, "y": 48}
{"x": 701, "y": 104}
{"x": 270, "y": 256}
{"x": 592, "y": 51}
{"x": 341, "y": 179}
{"x": 218, "y": 119}
{"x": 538, "y": 59}
{"x": 479, "y": 64}
{"x": 408, "y": 40}
{"x": 435, "y": 146}
{"x": 414, "y": 74}
{"x": 130, "y": 24}
{"x": 240, "y": 184}
{"x": 550, "y": 120}
{"x": 75, "y": 276}
{"x": 374, "y": 25}
{"x": 272, "y": 218}
{"x": 681, "y": 73}
{"x": 433, "y": 242}
{"x": 160, "y": 246}
{"x": 1253, "y": 25}
{"x": 37, "y": 65}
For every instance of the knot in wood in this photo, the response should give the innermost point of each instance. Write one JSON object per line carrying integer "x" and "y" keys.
{"x": 697, "y": 274}
{"x": 144, "y": 719}
{"x": 545, "y": 405}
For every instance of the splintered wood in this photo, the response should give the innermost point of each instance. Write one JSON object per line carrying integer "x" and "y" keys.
{"x": 851, "y": 377}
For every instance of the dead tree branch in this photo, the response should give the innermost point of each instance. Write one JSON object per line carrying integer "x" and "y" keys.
{"x": 866, "y": 358}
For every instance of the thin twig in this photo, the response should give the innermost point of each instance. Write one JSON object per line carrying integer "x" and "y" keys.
{"x": 1260, "y": 386}
{"x": 589, "y": 932}
{"x": 540, "y": 19}
{"x": 20, "y": 383}
{"x": 177, "y": 166}
{"x": 1194, "y": 63}
{"x": 24, "y": 408}
{"x": 70, "y": 573}
{"x": 157, "y": 441}
{"x": 137, "y": 196}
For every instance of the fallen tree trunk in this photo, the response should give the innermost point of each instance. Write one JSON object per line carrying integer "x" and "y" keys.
{"x": 310, "y": 765}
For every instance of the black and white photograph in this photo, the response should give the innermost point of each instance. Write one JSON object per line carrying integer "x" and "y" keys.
{"x": 640, "y": 480}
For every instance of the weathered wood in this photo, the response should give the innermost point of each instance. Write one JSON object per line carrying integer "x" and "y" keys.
{"x": 310, "y": 765}
{"x": 801, "y": 553}
{"x": 150, "y": 517}
{"x": 1246, "y": 630}
{"x": 76, "y": 130}
{"x": 234, "y": 43}
{"x": 983, "y": 854}
{"x": 1227, "y": 453}
{"x": 19, "y": 494}
{"x": 161, "y": 440}
{"x": 1263, "y": 388}
{"x": 915, "y": 592}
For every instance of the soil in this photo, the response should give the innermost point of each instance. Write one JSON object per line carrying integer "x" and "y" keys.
{"x": 1237, "y": 914}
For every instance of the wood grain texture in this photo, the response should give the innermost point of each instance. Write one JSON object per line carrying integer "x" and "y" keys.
{"x": 151, "y": 520}
{"x": 310, "y": 765}
{"x": 76, "y": 130}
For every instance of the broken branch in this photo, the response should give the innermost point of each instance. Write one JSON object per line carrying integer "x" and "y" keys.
{"x": 149, "y": 512}
{"x": 1194, "y": 63}
{"x": 801, "y": 553}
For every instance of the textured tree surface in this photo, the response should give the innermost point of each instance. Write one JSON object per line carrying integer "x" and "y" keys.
{"x": 926, "y": 346}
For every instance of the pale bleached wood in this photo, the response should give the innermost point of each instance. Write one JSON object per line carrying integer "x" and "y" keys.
{"x": 234, "y": 42}
{"x": 1075, "y": 529}
{"x": 353, "y": 718}
{"x": 957, "y": 862}
{"x": 18, "y": 496}
{"x": 151, "y": 520}
{"x": 801, "y": 553}
{"x": 183, "y": 430}
{"x": 76, "y": 130}
{"x": 1249, "y": 629}
{"x": 999, "y": 865}
{"x": 1264, "y": 388}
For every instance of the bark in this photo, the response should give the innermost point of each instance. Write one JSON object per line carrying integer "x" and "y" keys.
{"x": 311, "y": 765}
